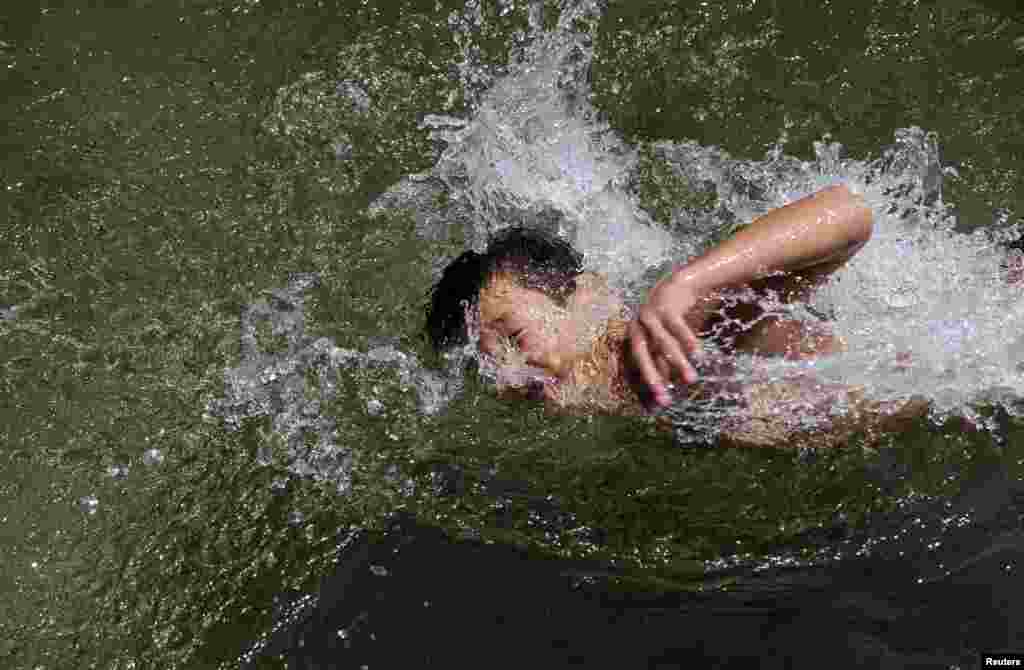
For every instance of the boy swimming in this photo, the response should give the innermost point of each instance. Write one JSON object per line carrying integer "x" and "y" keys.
{"x": 547, "y": 329}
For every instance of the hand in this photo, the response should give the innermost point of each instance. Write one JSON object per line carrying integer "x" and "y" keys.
{"x": 660, "y": 329}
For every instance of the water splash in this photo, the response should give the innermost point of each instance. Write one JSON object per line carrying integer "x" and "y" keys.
{"x": 923, "y": 308}
{"x": 534, "y": 152}
{"x": 290, "y": 384}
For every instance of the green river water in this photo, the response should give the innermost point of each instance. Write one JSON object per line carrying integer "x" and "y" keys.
{"x": 165, "y": 164}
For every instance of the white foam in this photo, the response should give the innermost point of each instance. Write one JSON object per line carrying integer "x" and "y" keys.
{"x": 533, "y": 144}
{"x": 917, "y": 289}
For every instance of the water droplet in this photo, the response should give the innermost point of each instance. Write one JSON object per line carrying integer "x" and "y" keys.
{"x": 379, "y": 570}
{"x": 264, "y": 455}
{"x": 88, "y": 504}
{"x": 342, "y": 150}
{"x": 153, "y": 457}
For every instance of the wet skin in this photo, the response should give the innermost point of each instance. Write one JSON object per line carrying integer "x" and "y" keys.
{"x": 523, "y": 330}
{"x": 786, "y": 253}
{"x": 534, "y": 341}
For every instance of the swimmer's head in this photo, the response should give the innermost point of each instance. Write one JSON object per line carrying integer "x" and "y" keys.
{"x": 542, "y": 325}
{"x": 531, "y": 258}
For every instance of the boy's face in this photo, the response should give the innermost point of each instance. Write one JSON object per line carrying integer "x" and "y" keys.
{"x": 523, "y": 327}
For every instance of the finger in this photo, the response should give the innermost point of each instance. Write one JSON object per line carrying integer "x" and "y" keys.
{"x": 640, "y": 349}
{"x": 682, "y": 333}
{"x": 669, "y": 346}
{"x": 664, "y": 369}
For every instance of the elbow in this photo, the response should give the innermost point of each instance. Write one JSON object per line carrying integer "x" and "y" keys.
{"x": 864, "y": 222}
{"x": 855, "y": 213}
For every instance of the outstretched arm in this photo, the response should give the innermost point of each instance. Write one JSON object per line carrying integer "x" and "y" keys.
{"x": 809, "y": 237}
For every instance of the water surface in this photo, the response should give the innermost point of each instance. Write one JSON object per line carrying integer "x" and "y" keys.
{"x": 220, "y": 225}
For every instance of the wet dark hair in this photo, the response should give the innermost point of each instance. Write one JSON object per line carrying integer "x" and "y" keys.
{"x": 537, "y": 259}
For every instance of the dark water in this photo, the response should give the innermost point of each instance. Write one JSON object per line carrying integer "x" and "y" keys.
{"x": 186, "y": 191}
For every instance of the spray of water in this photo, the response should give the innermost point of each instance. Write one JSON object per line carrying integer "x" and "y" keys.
{"x": 291, "y": 383}
{"x": 925, "y": 310}
{"x": 534, "y": 146}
